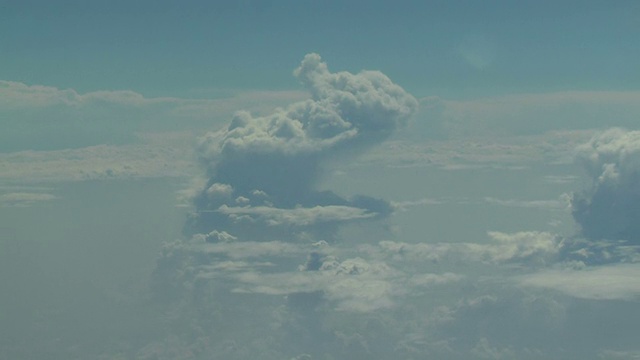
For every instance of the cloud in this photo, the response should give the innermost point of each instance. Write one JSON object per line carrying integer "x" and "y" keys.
{"x": 19, "y": 95}
{"x": 249, "y": 249}
{"x": 259, "y": 215}
{"x": 527, "y": 114}
{"x": 262, "y": 268}
{"x": 534, "y": 204}
{"x": 269, "y": 165}
{"x": 616, "y": 354}
{"x": 610, "y": 282}
{"x": 297, "y": 216}
{"x": 263, "y": 238}
{"x": 38, "y": 117}
{"x": 531, "y": 204}
{"x": 23, "y": 199}
{"x": 344, "y": 109}
{"x": 353, "y": 284}
{"x": 522, "y": 248}
{"x": 330, "y": 275}
{"x": 508, "y": 152}
{"x": 155, "y": 155}
{"x": 611, "y": 207}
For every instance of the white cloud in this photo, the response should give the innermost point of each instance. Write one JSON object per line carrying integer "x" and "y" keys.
{"x": 522, "y": 248}
{"x": 353, "y": 285}
{"x": 253, "y": 253}
{"x": 273, "y": 162}
{"x": 344, "y": 108}
{"x": 609, "y": 282}
{"x": 298, "y": 216}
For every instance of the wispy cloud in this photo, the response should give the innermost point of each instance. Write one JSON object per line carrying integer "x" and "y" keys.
{"x": 533, "y": 204}
{"x": 47, "y": 118}
{"x": 160, "y": 155}
{"x": 523, "y": 114}
{"x": 610, "y": 282}
{"x": 24, "y": 199}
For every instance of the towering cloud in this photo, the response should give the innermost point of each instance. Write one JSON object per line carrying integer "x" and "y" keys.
{"x": 610, "y": 209}
{"x": 263, "y": 170}
{"x": 261, "y": 236}
{"x": 263, "y": 173}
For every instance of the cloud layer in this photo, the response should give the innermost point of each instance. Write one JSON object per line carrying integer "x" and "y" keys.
{"x": 37, "y": 117}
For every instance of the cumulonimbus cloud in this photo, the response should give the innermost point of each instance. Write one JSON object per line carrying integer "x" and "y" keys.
{"x": 260, "y": 208}
{"x": 264, "y": 169}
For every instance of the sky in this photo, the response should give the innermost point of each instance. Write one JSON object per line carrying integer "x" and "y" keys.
{"x": 319, "y": 180}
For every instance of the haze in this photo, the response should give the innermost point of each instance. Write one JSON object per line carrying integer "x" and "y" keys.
{"x": 319, "y": 180}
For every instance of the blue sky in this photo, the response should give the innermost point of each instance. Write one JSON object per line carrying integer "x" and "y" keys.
{"x": 457, "y": 49}
{"x": 319, "y": 179}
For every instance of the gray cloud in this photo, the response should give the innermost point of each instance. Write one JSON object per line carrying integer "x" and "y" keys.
{"x": 259, "y": 214}
{"x": 611, "y": 207}
{"x": 263, "y": 170}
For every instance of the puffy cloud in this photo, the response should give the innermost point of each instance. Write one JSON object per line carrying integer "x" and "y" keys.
{"x": 611, "y": 207}
{"x": 253, "y": 276}
{"x": 259, "y": 215}
{"x": 269, "y": 165}
{"x": 345, "y": 108}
